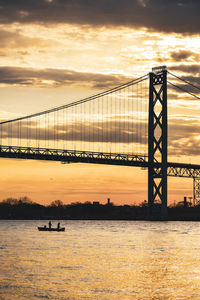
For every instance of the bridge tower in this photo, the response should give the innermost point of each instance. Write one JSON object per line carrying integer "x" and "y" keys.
{"x": 196, "y": 191}
{"x": 157, "y": 144}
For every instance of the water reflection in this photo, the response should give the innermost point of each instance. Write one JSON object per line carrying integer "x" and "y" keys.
{"x": 100, "y": 260}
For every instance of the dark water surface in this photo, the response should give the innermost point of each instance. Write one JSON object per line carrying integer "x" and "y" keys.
{"x": 100, "y": 260}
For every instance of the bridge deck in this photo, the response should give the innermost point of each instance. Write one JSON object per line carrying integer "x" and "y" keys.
{"x": 72, "y": 156}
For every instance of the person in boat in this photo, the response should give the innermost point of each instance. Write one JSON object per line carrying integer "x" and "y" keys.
{"x": 58, "y": 225}
{"x": 49, "y": 224}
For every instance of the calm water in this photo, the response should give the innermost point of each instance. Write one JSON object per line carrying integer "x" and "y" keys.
{"x": 100, "y": 260}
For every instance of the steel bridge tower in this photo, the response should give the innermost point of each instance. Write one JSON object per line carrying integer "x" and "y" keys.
{"x": 157, "y": 144}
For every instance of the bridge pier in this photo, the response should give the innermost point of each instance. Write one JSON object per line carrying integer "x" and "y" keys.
{"x": 157, "y": 144}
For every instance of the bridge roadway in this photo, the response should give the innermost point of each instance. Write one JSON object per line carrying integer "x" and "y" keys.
{"x": 74, "y": 156}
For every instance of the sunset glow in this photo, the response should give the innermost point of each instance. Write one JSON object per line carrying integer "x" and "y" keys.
{"x": 56, "y": 52}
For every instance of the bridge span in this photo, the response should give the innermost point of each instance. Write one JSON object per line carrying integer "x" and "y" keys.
{"x": 126, "y": 125}
{"x": 75, "y": 156}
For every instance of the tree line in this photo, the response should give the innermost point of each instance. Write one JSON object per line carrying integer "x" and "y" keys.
{"x": 25, "y": 208}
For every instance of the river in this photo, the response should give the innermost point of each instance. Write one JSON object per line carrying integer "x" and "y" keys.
{"x": 100, "y": 260}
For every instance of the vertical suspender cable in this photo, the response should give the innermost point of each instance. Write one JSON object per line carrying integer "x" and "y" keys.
{"x": 48, "y": 130}
{"x": 38, "y": 144}
{"x": 111, "y": 124}
{"x": 128, "y": 116}
{"x": 133, "y": 135}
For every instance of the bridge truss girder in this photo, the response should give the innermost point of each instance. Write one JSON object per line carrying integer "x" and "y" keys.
{"x": 75, "y": 156}
{"x": 177, "y": 171}
{"x": 173, "y": 169}
{"x": 196, "y": 191}
{"x": 188, "y": 172}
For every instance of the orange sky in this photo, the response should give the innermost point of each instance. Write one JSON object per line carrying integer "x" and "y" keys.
{"x": 49, "y": 57}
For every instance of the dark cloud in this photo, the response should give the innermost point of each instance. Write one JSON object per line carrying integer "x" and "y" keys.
{"x": 180, "y": 16}
{"x": 15, "y": 40}
{"x": 183, "y": 55}
{"x": 180, "y": 128}
{"x": 189, "y": 68}
{"x": 105, "y": 131}
{"x": 191, "y": 75}
{"x": 183, "y": 137}
{"x": 190, "y": 147}
{"x": 56, "y": 77}
{"x": 184, "y": 89}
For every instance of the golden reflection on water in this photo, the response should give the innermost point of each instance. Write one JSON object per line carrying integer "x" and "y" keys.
{"x": 100, "y": 260}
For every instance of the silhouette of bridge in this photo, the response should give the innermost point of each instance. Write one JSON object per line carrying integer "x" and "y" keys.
{"x": 126, "y": 125}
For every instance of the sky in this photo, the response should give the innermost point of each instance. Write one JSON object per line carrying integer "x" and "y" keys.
{"x": 54, "y": 52}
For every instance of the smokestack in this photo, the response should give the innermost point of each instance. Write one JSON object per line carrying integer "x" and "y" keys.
{"x": 185, "y": 201}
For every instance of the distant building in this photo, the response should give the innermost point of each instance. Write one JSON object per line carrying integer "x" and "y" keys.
{"x": 108, "y": 201}
{"x": 185, "y": 201}
{"x": 96, "y": 203}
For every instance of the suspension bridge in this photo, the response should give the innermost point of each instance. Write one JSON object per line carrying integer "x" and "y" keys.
{"x": 126, "y": 125}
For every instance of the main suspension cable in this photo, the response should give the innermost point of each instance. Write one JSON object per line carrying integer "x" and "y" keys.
{"x": 184, "y": 80}
{"x": 120, "y": 87}
{"x": 184, "y": 90}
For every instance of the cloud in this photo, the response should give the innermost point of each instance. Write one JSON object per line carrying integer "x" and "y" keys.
{"x": 189, "y": 68}
{"x": 180, "y": 16}
{"x": 184, "y": 88}
{"x": 184, "y": 134}
{"x": 57, "y": 77}
{"x": 103, "y": 131}
{"x": 187, "y": 147}
{"x": 15, "y": 40}
{"x": 192, "y": 74}
{"x": 183, "y": 137}
{"x": 183, "y": 55}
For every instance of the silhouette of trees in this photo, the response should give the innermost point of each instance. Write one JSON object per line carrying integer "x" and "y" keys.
{"x": 14, "y": 201}
{"x": 24, "y": 208}
{"x": 25, "y": 200}
{"x": 144, "y": 203}
{"x": 57, "y": 203}
{"x": 9, "y": 201}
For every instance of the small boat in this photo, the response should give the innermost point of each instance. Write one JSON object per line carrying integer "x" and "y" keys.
{"x": 44, "y": 228}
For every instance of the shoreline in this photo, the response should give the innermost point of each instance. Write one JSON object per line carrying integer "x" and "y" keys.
{"x": 104, "y": 219}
